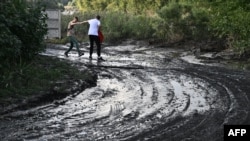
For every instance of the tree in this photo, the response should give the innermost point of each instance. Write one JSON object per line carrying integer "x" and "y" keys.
{"x": 127, "y": 6}
{"x": 229, "y": 19}
{"x": 22, "y": 28}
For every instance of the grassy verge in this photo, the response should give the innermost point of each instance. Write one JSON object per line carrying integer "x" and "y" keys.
{"x": 44, "y": 76}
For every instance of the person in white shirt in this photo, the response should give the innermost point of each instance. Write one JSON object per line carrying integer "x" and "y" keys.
{"x": 94, "y": 27}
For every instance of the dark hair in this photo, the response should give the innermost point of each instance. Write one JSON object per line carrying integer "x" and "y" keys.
{"x": 76, "y": 18}
{"x": 98, "y": 17}
{"x": 72, "y": 26}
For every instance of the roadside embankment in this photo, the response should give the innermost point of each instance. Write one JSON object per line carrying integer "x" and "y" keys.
{"x": 44, "y": 80}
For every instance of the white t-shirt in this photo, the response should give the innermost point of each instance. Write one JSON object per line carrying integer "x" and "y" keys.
{"x": 94, "y": 26}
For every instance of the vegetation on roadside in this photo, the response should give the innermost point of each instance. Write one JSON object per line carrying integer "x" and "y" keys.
{"x": 23, "y": 72}
{"x": 115, "y": 26}
{"x": 171, "y": 20}
{"x": 22, "y": 29}
{"x": 40, "y": 76}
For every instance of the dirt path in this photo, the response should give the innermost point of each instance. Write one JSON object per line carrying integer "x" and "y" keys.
{"x": 142, "y": 93}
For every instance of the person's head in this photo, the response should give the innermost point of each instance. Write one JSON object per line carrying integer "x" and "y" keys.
{"x": 75, "y": 19}
{"x": 98, "y": 17}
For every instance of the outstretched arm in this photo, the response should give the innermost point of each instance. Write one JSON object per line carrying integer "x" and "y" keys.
{"x": 76, "y": 23}
{"x": 85, "y": 22}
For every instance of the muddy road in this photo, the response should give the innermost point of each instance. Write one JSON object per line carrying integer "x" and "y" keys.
{"x": 143, "y": 93}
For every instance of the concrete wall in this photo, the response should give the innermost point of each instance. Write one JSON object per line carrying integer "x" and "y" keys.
{"x": 54, "y": 23}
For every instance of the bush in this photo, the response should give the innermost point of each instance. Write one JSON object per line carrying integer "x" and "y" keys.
{"x": 22, "y": 30}
{"x": 182, "y": 21}
{"x": 175, "y": 20}
{"x": 45, "y": 75}
{"x": 115, "y": 25}
{"x": 229, "y": 20}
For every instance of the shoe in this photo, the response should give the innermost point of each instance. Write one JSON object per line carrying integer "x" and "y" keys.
{"x": 81, "y": 54}
{"x": 66, "y": 54}
{"x": 100, "y": 59}
{"x": 90, "y": 57}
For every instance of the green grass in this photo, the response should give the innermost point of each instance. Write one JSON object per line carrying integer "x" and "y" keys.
{"x": 40, "y": 76}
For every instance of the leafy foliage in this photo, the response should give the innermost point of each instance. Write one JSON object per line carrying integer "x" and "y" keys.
{"x": 52, "y": 4}
{"x": 23, "y": 25}
{"x": 175, "y": 19}
{"x": 230, "y": 20}
{"x": 181, "y": 21}
{"x": 115, "y": 26}
{"x": 22, "y": 30}
{"x": 126, "y": 6}
{"x": 41, "y": 77}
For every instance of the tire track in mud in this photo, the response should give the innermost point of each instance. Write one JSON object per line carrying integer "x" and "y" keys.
{"x": 148, "y": 101}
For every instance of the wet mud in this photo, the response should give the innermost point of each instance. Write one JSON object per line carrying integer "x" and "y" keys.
{"x": 143, "y": 93}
